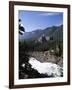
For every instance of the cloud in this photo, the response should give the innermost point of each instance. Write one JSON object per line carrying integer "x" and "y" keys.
{"x": 49, "y": 14}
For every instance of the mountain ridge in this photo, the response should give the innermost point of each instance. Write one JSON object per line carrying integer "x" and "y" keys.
{"x": 54, "y": 31}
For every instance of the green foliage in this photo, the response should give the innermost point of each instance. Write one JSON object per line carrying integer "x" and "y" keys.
{"x": 51, "y": 38}
{"x": 26, "y": 46}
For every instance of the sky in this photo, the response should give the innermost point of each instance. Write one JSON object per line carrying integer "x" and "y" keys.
{"x": 33, "y": 20}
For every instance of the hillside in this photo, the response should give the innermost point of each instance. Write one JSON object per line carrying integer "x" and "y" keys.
{"x": 55, "y": 31}
{"x": 47, "y": 56}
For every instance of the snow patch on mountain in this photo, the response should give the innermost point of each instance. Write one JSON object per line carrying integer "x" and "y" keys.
{"x": 50, "y": 69}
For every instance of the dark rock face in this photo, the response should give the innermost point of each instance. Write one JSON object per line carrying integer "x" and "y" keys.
{"x": 28, "y": 72}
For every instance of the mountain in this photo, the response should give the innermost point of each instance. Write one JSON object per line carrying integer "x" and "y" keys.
{"x": 54, "y": 32}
